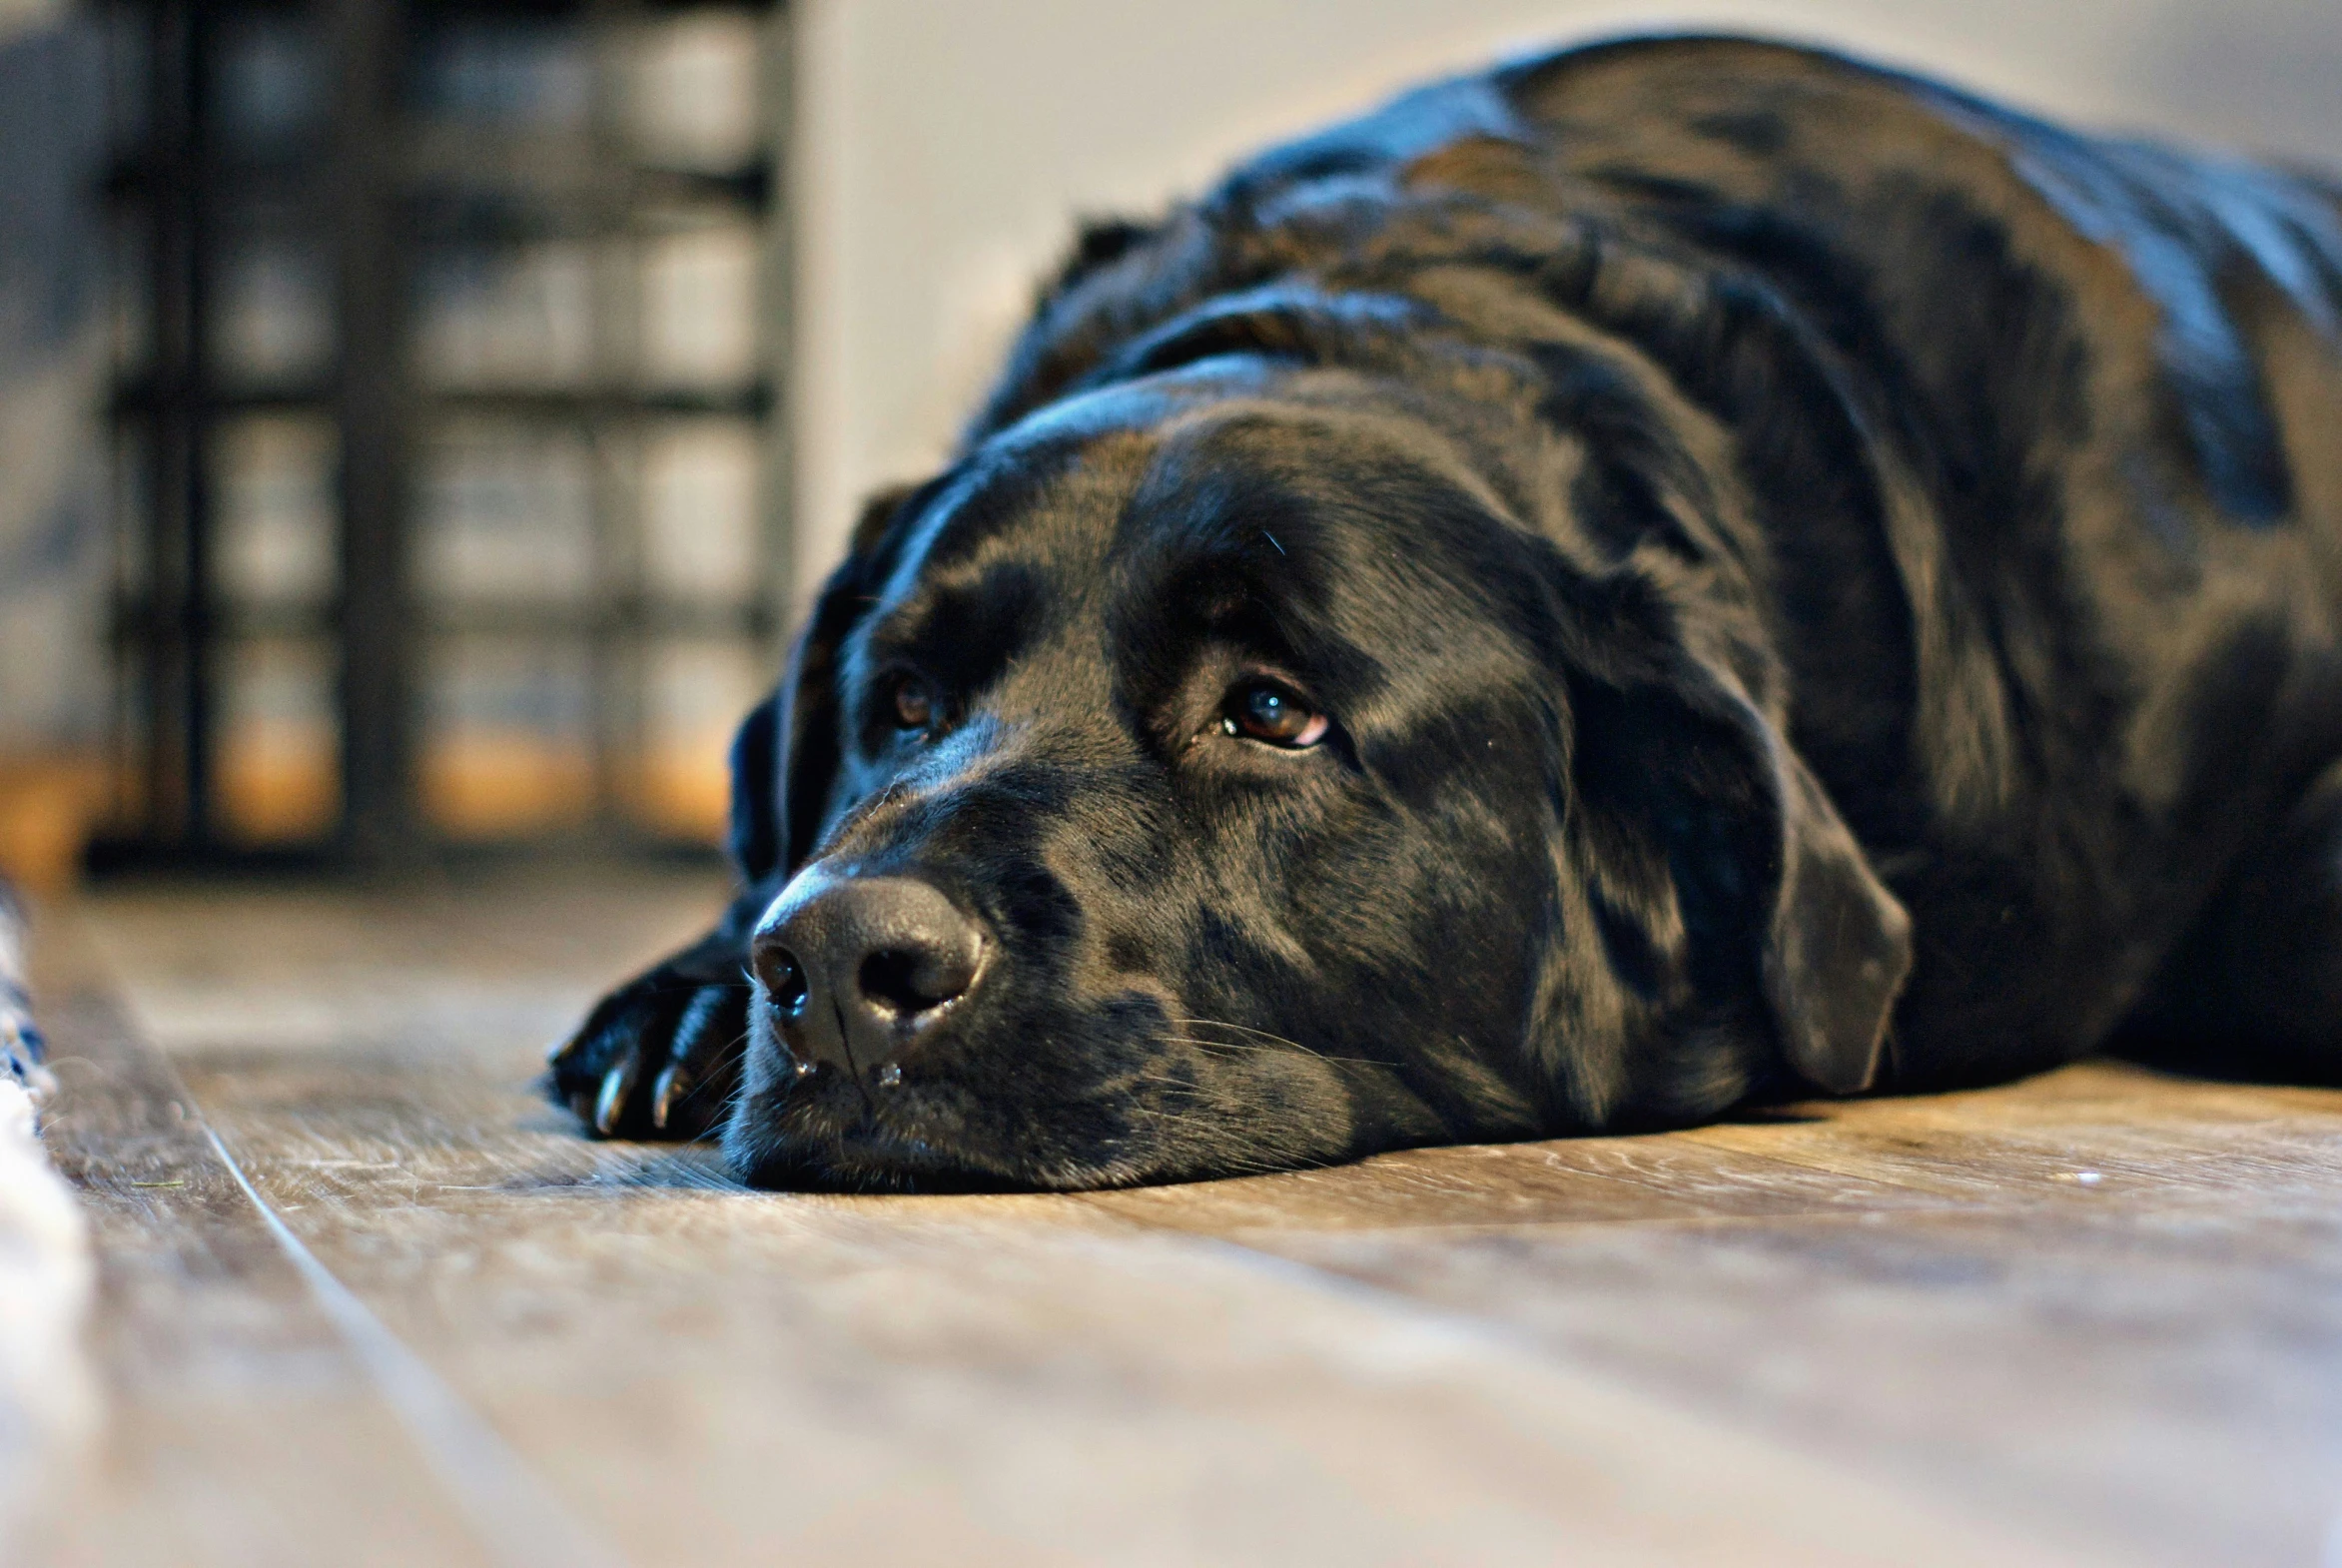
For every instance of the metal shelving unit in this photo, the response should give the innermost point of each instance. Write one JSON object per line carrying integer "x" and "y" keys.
{"x": 451, "y": 471}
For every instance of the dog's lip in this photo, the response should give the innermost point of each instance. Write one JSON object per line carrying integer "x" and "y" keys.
{"x": 823, "y": 1116}
{"x": 826, "y": 1127}
{"x": 824, "y": 1132}
{"x": 866, "y": 1152}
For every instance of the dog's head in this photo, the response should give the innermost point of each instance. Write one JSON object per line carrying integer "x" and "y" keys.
{"x": 1252, "y": 761}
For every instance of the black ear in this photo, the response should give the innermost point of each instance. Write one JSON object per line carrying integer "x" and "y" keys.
{"x": 1839, "y": 946}
{"x": 754, "y": 840}
{"x": 785, "y": 757}
{"x": 1100, "y": 243}
{"x": 1771, "y": 893}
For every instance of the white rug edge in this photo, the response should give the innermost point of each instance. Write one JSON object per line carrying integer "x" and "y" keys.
{"x": 49, "y": 1401}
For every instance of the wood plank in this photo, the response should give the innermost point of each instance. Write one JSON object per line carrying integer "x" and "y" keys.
{"x": 709, "y": 1376}
{"x": 1573, "y": 1181}
{"x": 714, "y": 1376}
{"x": 2080, "y": 1135}
{"x": 2121, "y": 1283}
{"x": 463, "y": 966}
{"x": 239, "y": 1431}
{"x": 1731, "y": 1181}
{"x": 1893, "y": 1331}
{"x": 1485, "y": 1185}
{"x": 2168, "y": 1387}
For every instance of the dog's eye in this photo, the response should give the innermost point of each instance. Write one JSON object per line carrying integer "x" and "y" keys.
{"x": 914, "y": 704}
{"x": 1265, "y": 711}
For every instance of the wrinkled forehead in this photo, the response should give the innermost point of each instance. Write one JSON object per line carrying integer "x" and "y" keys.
{"x": 1043, "y": 492}
{"x": 1201, "y": 491}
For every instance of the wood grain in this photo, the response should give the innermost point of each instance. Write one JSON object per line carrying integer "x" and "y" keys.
{"x": 239, "y": 1431}
{"x": 1884, "y": 1331}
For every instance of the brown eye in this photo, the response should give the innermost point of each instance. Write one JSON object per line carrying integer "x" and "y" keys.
{"x": 1265, "y": 711}
{"x": 914, "y": 707}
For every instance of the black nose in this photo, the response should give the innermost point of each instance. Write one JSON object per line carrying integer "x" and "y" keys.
{"x": 862, "y": 970}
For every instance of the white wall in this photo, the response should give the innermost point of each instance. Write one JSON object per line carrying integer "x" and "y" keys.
{"x": 943, "y": 146}
{"x": 17, "y": 15}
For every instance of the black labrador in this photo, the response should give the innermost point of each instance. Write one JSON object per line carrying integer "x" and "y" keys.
{"x": 1673, "y": 574}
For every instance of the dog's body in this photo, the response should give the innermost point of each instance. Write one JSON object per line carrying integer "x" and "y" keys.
{"x": 1678, "y": 572}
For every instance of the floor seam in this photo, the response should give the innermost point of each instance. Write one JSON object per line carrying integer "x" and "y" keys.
{"x": 514, "y": 1513}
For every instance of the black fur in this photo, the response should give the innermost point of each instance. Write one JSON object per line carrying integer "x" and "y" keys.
{"x": 1820, "y": 582}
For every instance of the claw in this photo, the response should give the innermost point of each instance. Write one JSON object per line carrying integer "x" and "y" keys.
{"x": 672, "y": 1085}
{"x": 617, "y": 1083}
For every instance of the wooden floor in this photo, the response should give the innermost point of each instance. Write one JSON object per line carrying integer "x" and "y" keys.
{"x": 366, "y": 1300}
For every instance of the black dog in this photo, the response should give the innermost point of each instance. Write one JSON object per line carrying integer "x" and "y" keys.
{"x": 1676, "y": 572}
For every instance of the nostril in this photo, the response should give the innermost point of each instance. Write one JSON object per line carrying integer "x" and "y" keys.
{"x": 856, "y": 967}
{"x": 908, "y": 981}
{"x": 784, "y": 980}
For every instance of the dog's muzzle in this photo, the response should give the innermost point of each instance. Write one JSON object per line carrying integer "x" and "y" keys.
{"x": 865, "y": 973}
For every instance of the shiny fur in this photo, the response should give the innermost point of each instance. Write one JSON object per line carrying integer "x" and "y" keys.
{"x": 1820, "y": 583}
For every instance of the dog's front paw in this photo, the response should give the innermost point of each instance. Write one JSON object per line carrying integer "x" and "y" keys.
{"x": 659, "y": 1057}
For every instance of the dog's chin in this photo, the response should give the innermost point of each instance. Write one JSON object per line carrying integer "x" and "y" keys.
{"x": 812, "y": 1129}
{"x": 820, "y": 1133}
{"x": 868, "y": 1162}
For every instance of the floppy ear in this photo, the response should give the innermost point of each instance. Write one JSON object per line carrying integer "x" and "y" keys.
{"x": 754, "y": 837}
{"x": 1772, "y": 891}
{"x": 1839, "y": 946}
{"x": 785, "y": 757}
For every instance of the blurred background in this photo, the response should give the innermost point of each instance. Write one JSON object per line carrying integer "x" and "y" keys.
{"x": 421, "y": 419}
